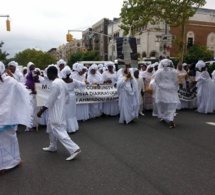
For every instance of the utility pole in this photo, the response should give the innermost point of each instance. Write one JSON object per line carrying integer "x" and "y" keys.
{"x": 7, "y": 22}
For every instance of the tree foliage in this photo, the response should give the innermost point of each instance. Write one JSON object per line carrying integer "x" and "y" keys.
{"x": 39, "y": 58}
{"x": 138, "y": 13}
{"x": 84, "y": 56}
{"x": 196, "y": 53}
{"x": 3, "y": 54}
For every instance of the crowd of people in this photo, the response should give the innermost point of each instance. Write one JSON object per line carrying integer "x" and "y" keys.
{"x": 157, "y": 87}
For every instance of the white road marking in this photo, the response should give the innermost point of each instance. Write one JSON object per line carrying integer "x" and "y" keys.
{"x": 211, "y": 123}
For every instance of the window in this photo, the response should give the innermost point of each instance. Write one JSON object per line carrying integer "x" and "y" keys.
{"x": 190, "y": 39}
{"x": 138, "y": 41}
{"x": 158, "y": 38}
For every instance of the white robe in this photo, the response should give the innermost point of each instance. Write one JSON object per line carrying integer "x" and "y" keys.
{"x": 141, "y": 88}
{"x": 166, "y": 94}
{"x": 205, "y": 93}
{"x": 71, "y": 119}
{"x": 10, "y": 117}
{"x": 82, "y": 110}
{"x": 14, "y": 110}
{"x": 95, "y": 109}
{"x": 128, "y": 99}
{"x": 56, "y": 104}
{"x": 148, "y": 100}
{"x": 18, "y": 76}
{"x": 110, "y": 108}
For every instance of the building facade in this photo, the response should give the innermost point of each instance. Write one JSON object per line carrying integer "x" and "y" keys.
{"x": 101, "y": 37}
{"x": 199, "y": 31}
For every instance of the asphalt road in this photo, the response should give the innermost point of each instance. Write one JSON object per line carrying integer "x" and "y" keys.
{"x": 141, "y": 158}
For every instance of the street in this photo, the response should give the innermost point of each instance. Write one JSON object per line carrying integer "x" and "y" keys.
{"x": 141, "y": 158}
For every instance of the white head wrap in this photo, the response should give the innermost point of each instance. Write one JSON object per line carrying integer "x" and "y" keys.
{"x": 74, "y": 66}
{"x": 155, "y": 64}
{"x": 61, "y": 61}
{"x": 2, "y": 68}
{"x": 84, "y": 67}
{"x": 29, "y": 65}
{"x": 165, "y": 63}
{"x": 184, "y": 64}
{"x": 37, "y": 69}
{"x": 100, "y": 66}
{"x": 79, "y": 67}
{"x": 93, "y": 66}
{"x": 149, "y": 66}
{"x": 110, "y": 64}
{"x": 13, "y": 63}
{"x": 200, "y": 64}
{"x": 66, "y": 71}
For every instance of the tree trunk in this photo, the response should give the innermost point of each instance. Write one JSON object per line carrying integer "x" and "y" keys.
{"x": 183, "y": 43}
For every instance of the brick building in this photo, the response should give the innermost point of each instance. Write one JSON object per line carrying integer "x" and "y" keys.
{"x": 199, "y": 31}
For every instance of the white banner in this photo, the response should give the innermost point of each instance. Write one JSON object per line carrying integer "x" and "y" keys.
{"x": 91, "y": 94}
{"x": 42, "y": 93}
{"x": 96, "y": 94}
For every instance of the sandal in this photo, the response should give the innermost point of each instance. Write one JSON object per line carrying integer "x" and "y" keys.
{"x": 172, "y": 125}
{"x": 162, "y": 121}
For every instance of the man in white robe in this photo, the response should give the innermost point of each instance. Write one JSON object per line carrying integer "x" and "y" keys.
{"x": 56, "y": 105}
{"x": 10, "y": 117}
{"x": 166, "y": 92}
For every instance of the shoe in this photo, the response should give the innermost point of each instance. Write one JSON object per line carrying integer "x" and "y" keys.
{"x": 140, "y": 113}
{"x": 162, "y": 121}
{"x": 172, "y": 125}
{"x": 29, "y": 129}
{"x": 49, "y": 149}
{"x": 72, "y": 156}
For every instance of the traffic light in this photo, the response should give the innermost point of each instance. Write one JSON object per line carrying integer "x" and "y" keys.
{"x": 8, "y": 25}
{"x": 69, "y": 37}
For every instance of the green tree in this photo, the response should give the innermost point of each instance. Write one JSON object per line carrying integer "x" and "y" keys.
{"x": 138, "y": 13}
{"x": 84, "y": 56}
{"x": 196, "y": 53}
{"x": 75, "y": 57}
{"x": 3, "y": 54}
{"x": 39, "y": 58}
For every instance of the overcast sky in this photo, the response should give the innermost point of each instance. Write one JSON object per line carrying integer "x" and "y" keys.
{"x": 43, "y": 24}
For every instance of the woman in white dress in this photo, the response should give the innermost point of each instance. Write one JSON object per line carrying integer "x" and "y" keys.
{"x": 128, "y": 97}
{"x": 109, "y": 77}
{"x": 10, "y": 117}
{"x": 94, "y": 78}
{"x": 147, "y": 75}
{"x": 205, "y": 89}
{"x": 166, "y": 92}
{"x": 71, "y": 119}
{"x": 183, "y": 83}
{"x": 82, "y": 110}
